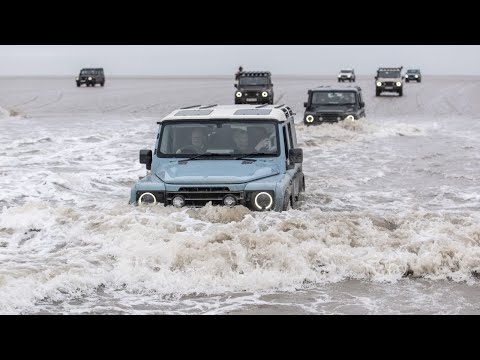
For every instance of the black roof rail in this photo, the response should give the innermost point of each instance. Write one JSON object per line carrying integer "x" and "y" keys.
{"x": 256, "y": 73}
{"x": 189, "y": 107}
{"x": 279, "y": 106}
{"x": 261, "y": 106}
{"x": 208, "y": 106}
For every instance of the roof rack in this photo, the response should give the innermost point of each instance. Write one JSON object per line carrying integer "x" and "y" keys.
{"x": 390, "y": 68}
{"x": 189, "y": 107}
{"x": 256, "y": 73}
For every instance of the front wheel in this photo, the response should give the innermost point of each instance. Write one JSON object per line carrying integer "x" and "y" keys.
{"x": 287, "y": 202}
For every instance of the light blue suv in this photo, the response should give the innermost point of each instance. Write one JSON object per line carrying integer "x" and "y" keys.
{"x": 227, "y": 155}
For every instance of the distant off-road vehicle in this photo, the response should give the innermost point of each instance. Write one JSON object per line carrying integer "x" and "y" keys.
{"x": 333, "y": 104}
{"x": 91, "y": 77}
{"x": 389, "y": 80}
{"x": 254, "y": 87}
{"x": 413, "y": 75}
{"x": 346, "y": 75}
{"x": 224, "y": 155}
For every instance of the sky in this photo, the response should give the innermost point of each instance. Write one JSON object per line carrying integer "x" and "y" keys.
{"x": 130, "y": 60}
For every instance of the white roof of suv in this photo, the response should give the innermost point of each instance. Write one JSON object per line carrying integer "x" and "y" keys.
{"x": 208, "y": 112}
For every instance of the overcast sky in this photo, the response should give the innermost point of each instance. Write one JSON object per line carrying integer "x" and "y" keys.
{"x": 225, "y": 59}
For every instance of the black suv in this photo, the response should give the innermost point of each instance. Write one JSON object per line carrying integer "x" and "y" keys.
{"x": 413, "y": 75}
{"x": 91, "y": 77}
{"x": 254, "y": 87}
{"x": 333, "y": 104}
{"x": 389, "y": 79}
{"x": 346, "y": 74}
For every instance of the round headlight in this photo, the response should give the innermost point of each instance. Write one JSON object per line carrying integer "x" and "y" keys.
{"x": 238, "y": 94}
{"x": 398, "y": 83}
{"x": 349, "y": 75}
{"x": 230, "y": 201}
{"x": 406, "y": 75}
{"x": 309, "y": 118}
{"x": 416, "y": 76}
{"x": 263, "y": 201}
{"x": 339, "y": 75}
{"x": 178, "y": 201}
{"x": 77, "y": 78}
{"x": 350, "y": 117}
{"x": 379, "y": 83}
{"x": 90, "y": 78}
{"x": 264, "y": 94}
{"x": 147, "y": 198}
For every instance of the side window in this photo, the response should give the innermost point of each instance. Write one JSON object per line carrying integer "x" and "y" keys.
{"x": 285, "y": 144}
{"x": 359, "y": 98}
{"x": 290, "y": 136}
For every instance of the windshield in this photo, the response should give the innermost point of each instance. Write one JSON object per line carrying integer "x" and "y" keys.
{"x": 89, "y": 72}
{"x": 253, "y": 81}
{"x": 346, "y": 71}
{"x": 413, "y": 71}
{"x": 333, "y": 98}
{"x": 389, "y": 74}
{"x": 224, "y": 138}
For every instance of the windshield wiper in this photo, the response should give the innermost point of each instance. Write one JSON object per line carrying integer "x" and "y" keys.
{"x": 198, "y": 157}
{"x": 248, "y": 155}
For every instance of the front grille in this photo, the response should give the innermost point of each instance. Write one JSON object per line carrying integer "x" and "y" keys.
{"x": 252, "y": 94}
{"x": 388, "y": 83}
{"x": 330, "y": 117}
{"x": 200, "y": 196}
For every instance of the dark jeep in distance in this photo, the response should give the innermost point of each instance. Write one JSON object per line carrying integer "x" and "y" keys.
{"x": 91, "y": 77}
{"x": 413, "y": 75}
{"x": 346, "y": 75}
{"x": 390, "y": 80}
{"x": 328, "y": 104}
{"x": 254, "y": 87}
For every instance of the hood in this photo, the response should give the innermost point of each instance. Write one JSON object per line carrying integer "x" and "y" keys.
{"x": 331, "y": 109}
{"x": 253, "y": 88}
{"x": 216, "y": 171}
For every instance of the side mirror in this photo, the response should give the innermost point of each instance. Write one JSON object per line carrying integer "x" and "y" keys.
{"x": 235, "y": 86}
{"x": 376, "y": 77}
{"x": 305, "y": 104}
{"x": 296, "y": 155}
{"x": 146, "y": 158}
{"x": 362, "y": 104}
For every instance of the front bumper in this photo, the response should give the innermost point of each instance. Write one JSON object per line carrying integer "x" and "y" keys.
{"x": 195, "y": 197}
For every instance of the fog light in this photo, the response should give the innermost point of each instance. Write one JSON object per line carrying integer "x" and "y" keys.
{"x": 309, "y": 118}
{"x": 147, "y": 198}
{"x": 229, "y": 201}
{"x": 238, "y": 94}
{"x": 178, "y": 201}
{"x": 263, "y": 201}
